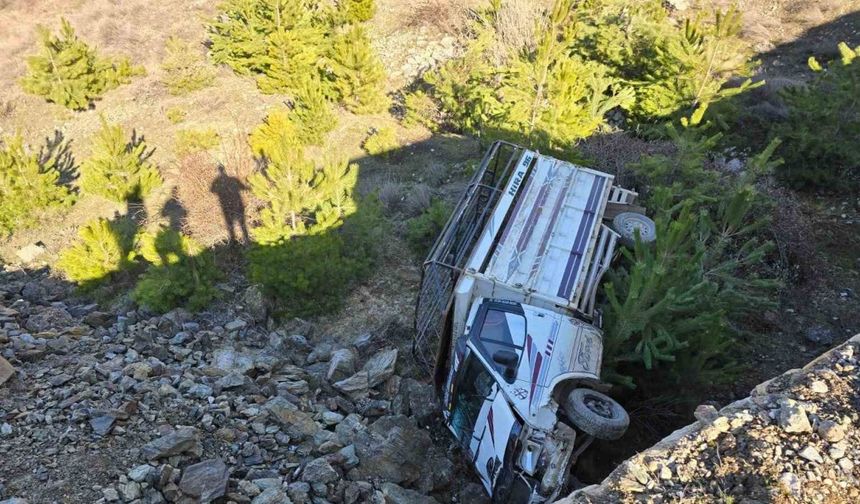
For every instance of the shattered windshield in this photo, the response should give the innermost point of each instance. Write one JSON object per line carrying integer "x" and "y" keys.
{"x": 474, "y": 387}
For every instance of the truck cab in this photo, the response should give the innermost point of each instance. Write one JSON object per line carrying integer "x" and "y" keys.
{"x": 506, "y": 318}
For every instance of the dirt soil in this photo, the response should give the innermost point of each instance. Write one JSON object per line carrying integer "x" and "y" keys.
{"x": 822, "y": 280}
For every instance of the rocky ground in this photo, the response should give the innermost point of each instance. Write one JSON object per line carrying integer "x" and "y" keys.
{"x": 795, "y": 439}
{"x": 149, "y": 409}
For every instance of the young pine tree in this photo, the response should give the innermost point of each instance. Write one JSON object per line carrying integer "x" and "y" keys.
{"x": 356, "y": 73}
{"x": 69, "y": 72}
{"x": 241, "y": 33}
{"x": 690, "y": 67}
{"x": 822, "y": 132}
{"x": 117, "y": 169}
{"x": 302, "y": 198}
{"x": 103, "y": 248}
{"x": 542, "y": 96}
{"x": 356, "y": 11}
{"x": 27, "y": 186}
{"x": 185, "y": 69}
{"x": 180, "y": 272}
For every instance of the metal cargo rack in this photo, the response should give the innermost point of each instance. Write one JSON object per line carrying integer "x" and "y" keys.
{"x": 447, "y": 258}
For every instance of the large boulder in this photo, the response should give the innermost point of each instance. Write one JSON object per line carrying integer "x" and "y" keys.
{"x": 395, "y": 449}
{"x": 375, "y": 371}
{"x": 50, "y": 318}
{"x": 395, "y": 494}
{"x": 205, "y": 481}
{"x": 298, "y": 423}
{"x": 181, "y": 440}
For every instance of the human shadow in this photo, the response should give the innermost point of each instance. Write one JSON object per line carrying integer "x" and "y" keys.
{"x": 229, "y": 192}
{"x": 174, "y": 211}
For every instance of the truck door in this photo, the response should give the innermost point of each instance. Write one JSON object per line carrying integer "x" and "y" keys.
{"x": 481, "y": 419}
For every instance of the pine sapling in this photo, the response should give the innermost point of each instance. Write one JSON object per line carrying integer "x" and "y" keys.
{"x": 70, "y": 73}
{"x": 118, "y": 168}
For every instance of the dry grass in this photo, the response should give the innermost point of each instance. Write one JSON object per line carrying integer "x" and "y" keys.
{"x": 616, "y": 152}
{"x": 404, "y": 199}
{"x": 445, "y": 16}
{"x": 209, "y": 199}
{"x": 519, "y": 24}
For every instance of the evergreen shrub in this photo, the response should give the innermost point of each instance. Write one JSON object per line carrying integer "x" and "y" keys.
{"x": 104, "y": 248}
{"x": 28, "y": 185}
{"x": 70, "y": 73}
{"x": 118, "y": 168}
{"x": 292, "y": 46}
{"x": 185, "y": 68}
{"x": 189, "y": 141}
{"x": 821, "y": 136}
{"x": 381, "y": 141}
{"x": 181, "y": 273}
{"x": 422, "y": 231}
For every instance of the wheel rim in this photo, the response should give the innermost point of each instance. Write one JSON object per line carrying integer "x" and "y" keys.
{"x": 598, "y": 405}
{"x": 631, "y": 224}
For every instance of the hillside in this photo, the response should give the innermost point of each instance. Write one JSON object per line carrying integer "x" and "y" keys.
{"x": 209, "y": 259}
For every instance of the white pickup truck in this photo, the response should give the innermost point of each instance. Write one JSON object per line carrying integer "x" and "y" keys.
{"x": 506, "y": 317}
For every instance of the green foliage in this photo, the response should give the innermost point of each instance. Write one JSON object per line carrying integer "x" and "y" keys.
{"x": 176, "y": 115}
{"x": 185, "y": 69}
{"x": 297, "y": 47}
{"x": 118, "y": 168}
{"x": 312, "y": 115}
{"x": 586, "y": 58}
{"x": 690, "y": 68}
{"x": 683, "y": 171}
{"x": 69, "y": 72}
{"x": 181, "y": 272}
{"x": 189, "y": 141}
{"x": 420, "y": 109}
{"x": 356, "y": 73}
{"x": 543, "y": 96}
{"x": 381, "y": 141}
{"x": 821, "y": 146}
{"x": 302, "y": 198}
{"x": 674, "y": 301}
{"x": 286, "y": 130}
{"x": 28, "y": 185}
{"x": 103, "y": 249}
{"x": 356, "y": 11}
{"x": 310, "y": 274}
{"x": 422, "y": 231}
{"x": 678, "y": 300}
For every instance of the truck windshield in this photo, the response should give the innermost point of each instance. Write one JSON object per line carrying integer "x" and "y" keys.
{"x": 474, "y": 387}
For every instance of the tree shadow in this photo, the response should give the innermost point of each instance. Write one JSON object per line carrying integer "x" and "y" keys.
{"x": 57, "y": 153}
{"x": 789, "y": 59}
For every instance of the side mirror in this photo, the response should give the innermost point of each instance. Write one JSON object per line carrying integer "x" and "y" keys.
{"x": 505, "y": 358}
{"x": 508, "y": 359}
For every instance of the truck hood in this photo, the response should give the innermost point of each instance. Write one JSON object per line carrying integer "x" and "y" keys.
{"x": 555, "y": 348}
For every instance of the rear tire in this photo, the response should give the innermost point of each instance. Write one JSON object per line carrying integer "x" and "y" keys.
{"x": 596, "y": 414}
{"x": 627, "y": 223}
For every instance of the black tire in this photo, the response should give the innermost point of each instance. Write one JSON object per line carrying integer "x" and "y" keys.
{"x": 596, "y": 414}
{"x": 627, "y": 223}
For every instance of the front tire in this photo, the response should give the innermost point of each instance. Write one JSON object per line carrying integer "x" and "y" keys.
{"x": 596, "y": 414}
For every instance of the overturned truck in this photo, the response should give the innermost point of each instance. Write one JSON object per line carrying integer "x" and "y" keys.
{"x": 506, "y": 317}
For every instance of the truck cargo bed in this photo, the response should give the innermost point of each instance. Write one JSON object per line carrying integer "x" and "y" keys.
{"x": 547, "y": 239}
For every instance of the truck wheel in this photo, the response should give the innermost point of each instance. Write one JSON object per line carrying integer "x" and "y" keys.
{"x": 596, "y": 414}
{"x": 626, "y": 224}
